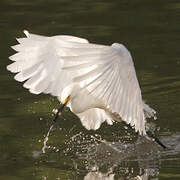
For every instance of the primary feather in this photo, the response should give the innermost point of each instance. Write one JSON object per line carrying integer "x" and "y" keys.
{"x": 105, "y": 74}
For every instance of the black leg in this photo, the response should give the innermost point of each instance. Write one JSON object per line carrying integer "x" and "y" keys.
{"x": 60, "y": 109}
{"x": 151, "y": 135}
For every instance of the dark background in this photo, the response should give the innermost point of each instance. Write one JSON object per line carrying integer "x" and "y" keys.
{"x": 149, "y": 29}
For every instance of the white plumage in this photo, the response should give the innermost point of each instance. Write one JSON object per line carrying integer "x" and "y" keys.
{"x": 101, "y": 80}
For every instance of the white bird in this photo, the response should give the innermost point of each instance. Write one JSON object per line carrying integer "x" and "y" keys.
{"x": 97, "y": 82}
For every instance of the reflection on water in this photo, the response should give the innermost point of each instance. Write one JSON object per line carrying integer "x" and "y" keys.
{"x": 99, "y": 176}
{"x": 111, "y": 176}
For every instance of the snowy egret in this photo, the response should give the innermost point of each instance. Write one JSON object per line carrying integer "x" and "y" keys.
{"x": 97, "y": 82}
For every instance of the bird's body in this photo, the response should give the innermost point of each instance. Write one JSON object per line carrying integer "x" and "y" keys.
{"x": 100, "y": 80}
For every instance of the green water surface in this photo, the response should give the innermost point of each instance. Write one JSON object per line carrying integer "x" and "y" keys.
{"x": 151, "y": 31}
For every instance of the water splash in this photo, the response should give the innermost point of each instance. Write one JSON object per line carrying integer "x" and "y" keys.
{"x": 46, "y": 139}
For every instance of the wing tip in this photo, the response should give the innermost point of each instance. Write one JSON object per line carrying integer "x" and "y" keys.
{"x": 12, "y": 57}
{"x": 26, "y": 32}
{"x": 10, "y": 68}
{"x": 18, "y": 78}
{"x": 34, "y": 91}
{"x": 14, "y": 47}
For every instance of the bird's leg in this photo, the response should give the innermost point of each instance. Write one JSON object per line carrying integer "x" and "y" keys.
{"x": 61, "y": 107}
{"x": 152, "y": 136}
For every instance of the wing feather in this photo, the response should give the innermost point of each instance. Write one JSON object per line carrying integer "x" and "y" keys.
{"x": 49, "y": 64}
{"x": 39, "y": 61}
{"x": 119, "y": 88}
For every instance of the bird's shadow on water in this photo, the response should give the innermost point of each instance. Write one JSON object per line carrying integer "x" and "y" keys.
{"x": 111, "y": 160}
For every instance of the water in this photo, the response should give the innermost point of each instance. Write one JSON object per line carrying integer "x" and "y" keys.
{"x": 150, "y": 30}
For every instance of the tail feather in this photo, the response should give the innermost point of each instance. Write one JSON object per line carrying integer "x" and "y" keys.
{"x": 93, "y": 118}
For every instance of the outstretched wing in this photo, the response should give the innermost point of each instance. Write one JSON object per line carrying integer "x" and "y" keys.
{"x": 112, "y": 78}
{"x": 49, "y": 64}
{"x": 39, "y": 61}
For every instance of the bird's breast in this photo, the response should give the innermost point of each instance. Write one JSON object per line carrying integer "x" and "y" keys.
{"x": 83, "y": 100}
